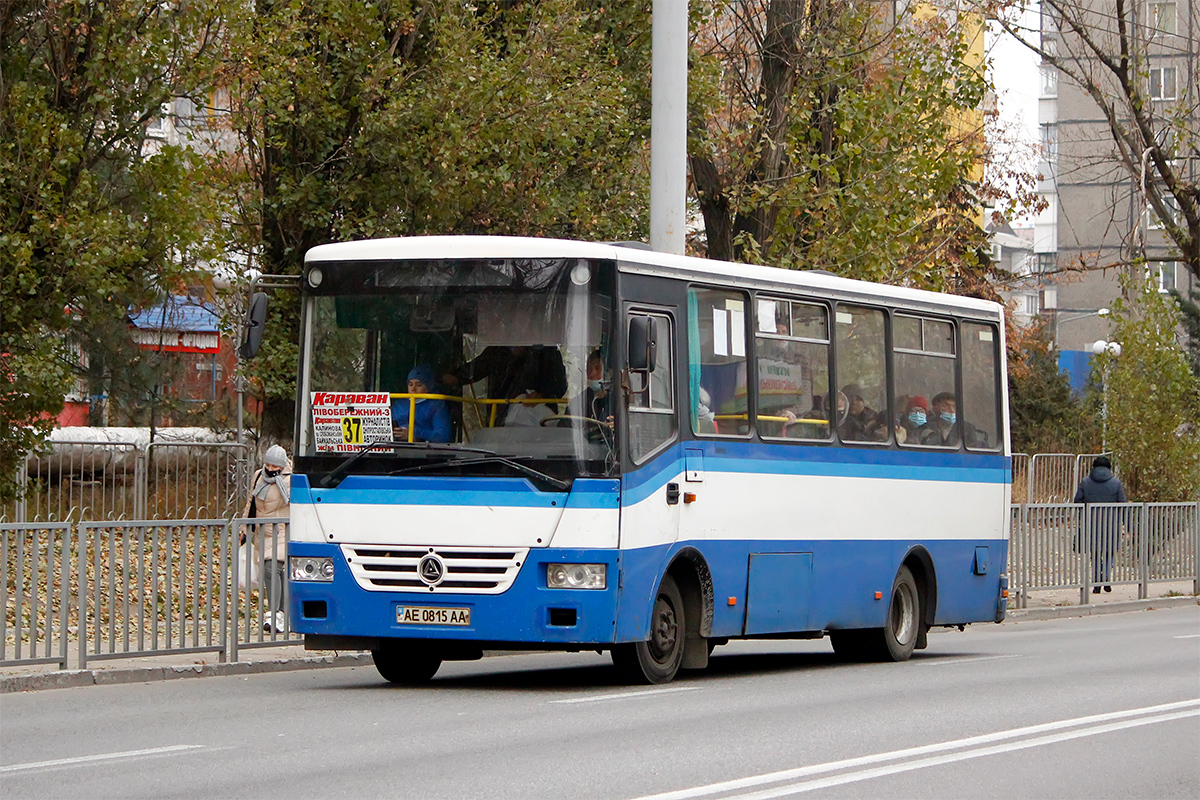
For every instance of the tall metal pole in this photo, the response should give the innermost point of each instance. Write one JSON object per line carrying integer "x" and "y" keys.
{"x": 668, "y": 126}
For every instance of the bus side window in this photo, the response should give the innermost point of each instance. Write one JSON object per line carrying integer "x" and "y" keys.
{"x": 980, "y": 412}
{"x": 792, "y": 356}
{"x": 717, "y": 362}
{"x": 861, "y": 406}
{"x": 923, "y": 361}
{"x": 651, "y": 399}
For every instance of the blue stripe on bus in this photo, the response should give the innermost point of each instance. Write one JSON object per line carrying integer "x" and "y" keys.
{"x": 719, "y": 457}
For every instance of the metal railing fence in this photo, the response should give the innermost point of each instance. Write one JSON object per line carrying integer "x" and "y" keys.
{"x": 128, "y": 589}
{"x": 80, "y": 592}
{"x": 88, "y": 481}
{"x": 1092, "y": 548}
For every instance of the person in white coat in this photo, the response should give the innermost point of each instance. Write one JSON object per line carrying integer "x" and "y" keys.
{"x": 271, "y": 496}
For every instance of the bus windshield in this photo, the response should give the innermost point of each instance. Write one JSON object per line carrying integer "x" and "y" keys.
{"x": 454, "y": 362}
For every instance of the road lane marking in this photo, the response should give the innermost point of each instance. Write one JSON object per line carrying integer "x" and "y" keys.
{"x": 599, "y": 697}
{"x": 66, "y": 762}
{"x": 1189, "y": 636}
{"x": 935, "y": 761}
{"x": 1184, "y": 707}
{"x": 942, "y": 661}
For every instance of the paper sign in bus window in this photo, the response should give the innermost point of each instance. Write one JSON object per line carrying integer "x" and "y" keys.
{"x": 344, "y": 421}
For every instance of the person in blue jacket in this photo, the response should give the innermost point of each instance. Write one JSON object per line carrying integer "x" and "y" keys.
{"x": 1101, "y": 486}
{"x": 431, "y": 419}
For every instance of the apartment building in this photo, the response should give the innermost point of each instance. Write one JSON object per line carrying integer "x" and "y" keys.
{"x": 1097, "y": 223}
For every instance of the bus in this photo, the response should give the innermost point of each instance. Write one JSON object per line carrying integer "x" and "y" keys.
{"x": 613, "y": 449}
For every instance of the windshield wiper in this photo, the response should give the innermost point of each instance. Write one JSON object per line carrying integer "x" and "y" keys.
{"x": 492, "y": 458}
{"x": 334, "y": 477}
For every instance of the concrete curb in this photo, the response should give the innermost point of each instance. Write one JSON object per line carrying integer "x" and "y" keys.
{"x": 1095, "y": 609}
{"x": 68, "y": 679}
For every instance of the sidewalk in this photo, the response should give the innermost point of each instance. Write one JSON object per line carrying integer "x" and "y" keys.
{"x": 1056, "y": 604}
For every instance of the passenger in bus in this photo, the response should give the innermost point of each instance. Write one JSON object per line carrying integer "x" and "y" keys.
{"x": 914, "y": 417}
{"x": 862, "y": 423}
{"x": 431, "y": 418}
{"x": 941, "y": 429}
{"x": 526, "y": 372}
{"x": 813, "y": 423}
{"x": 596, "y": 399}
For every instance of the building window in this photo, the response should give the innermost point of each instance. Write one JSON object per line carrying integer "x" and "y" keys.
{"x": 1162, "y": 83}
{"x": 1163, "y": 274}
{"x": 1160, "y": 18}
{"x": 1046, "y": 263}
{"x": 1154, "y": 222}
{"x": 1049, "y": 80}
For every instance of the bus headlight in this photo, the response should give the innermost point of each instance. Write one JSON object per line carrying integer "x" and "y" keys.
{"x": 576, "y": 576}
{"x": 311, "y": 569}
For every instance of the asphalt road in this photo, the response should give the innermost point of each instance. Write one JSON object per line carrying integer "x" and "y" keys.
{"x": 1104, "y": 706}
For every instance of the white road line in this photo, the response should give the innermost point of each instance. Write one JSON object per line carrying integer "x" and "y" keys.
{"x": 943, "y": 662}
{"x": 624, "y": 695}
{"x": 908, "y": 766}
{"x": 66, "y": 762}
{"x": 1189, "y": 707}
{"x": 1189, "y": 636}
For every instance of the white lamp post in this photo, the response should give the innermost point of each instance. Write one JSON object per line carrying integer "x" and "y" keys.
{"x": 1099, "y": 312}
{"x": 1114, "y": 349}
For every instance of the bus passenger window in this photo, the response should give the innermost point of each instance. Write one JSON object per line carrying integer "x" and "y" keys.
{"x": 981, "y": 359}
{"x": 862, "y": 373}
{"x": 792, "y": 355}
{"x": 717, "y": 362}
{"x": 923, "y": 361}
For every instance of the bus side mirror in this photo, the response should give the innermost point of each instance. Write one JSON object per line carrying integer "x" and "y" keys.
{"x": 252, "y": 328}
{"x": 643, "y": 344}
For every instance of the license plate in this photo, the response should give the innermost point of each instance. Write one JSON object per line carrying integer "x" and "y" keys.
{"x": 427, "y": 615}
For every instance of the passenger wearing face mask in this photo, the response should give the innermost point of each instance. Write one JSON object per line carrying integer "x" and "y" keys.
{"x": 270, "y": 496}
{"x": 597, "y": 399}
{"x": 941, "y": 430}
{"x": 915, "y": 416}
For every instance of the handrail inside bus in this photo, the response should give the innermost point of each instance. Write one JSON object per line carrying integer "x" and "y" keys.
{"x": 495, "y": 403}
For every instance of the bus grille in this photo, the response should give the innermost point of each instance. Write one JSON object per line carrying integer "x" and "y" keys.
{"x": 469, "y": 570}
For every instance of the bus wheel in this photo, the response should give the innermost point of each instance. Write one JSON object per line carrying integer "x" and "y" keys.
{"x": 896, "y": 640}
{"x": 405, "y": 666}
{"x": 657, "y": 659}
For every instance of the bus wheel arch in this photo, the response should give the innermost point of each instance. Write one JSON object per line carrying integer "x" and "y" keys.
{"x": 694, "y": 579}
{"x": 658, "y": 658}
{"x": 920, "y": 564}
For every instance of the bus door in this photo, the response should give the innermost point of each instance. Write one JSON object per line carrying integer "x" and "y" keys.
{"x": 651, "y": 490}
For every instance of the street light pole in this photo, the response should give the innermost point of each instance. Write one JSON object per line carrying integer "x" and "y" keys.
{"x": 1099, "y": 312}
{"x": 1100, "y": 347}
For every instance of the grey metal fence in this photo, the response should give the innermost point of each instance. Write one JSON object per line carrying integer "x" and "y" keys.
{"x": 1093, "y": 548}
{"x": 75, "y": 593}
{"x": 36, "y": 587}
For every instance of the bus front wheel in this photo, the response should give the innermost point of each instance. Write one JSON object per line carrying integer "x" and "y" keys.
{"x": 657, "y": 659}
{"x": 897, "y": 639}
{"x": 406, "y": 666}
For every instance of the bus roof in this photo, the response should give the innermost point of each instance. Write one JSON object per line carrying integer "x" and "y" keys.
{"x": 645, "y": 261}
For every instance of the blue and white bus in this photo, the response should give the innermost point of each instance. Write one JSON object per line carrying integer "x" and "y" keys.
{"x": 639, "y": 453}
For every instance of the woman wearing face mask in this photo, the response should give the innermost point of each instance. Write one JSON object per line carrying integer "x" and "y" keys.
{"x": 270, "y": 496}
{"x": 916, "y": 414}
{"x": 941, "y": 430}
{"x": 431, "y": 420}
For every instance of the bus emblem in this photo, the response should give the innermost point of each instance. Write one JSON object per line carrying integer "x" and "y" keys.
{"x": 431, "y": 569}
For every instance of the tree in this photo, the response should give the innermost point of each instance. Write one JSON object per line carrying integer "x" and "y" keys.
{"x": 1106, "y": 50}
{"x": 829, "y": 135}
{"x": 92, "y": 221}
{"x": 1152, "y": 400}
{"x": 1044, "y": 416}
{"x": 362, "y": 119}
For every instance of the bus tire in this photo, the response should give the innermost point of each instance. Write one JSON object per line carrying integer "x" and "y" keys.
{"x": 657, "y": 659}
{"x": 897, "y": 639}
{"x": 405, "y": 666}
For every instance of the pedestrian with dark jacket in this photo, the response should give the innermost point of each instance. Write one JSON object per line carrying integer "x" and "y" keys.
{"x": 1104, "y": 534}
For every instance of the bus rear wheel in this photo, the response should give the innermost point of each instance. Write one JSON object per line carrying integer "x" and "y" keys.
{"x": 657, "y": 659}
{"x": 897, "y": 639}
{"x": 406, "y": 666}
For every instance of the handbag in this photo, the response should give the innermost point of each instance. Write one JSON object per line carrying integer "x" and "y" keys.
{"x": 247, "y": 567}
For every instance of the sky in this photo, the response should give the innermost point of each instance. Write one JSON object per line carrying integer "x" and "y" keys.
{"x": 1014, "y": 71}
